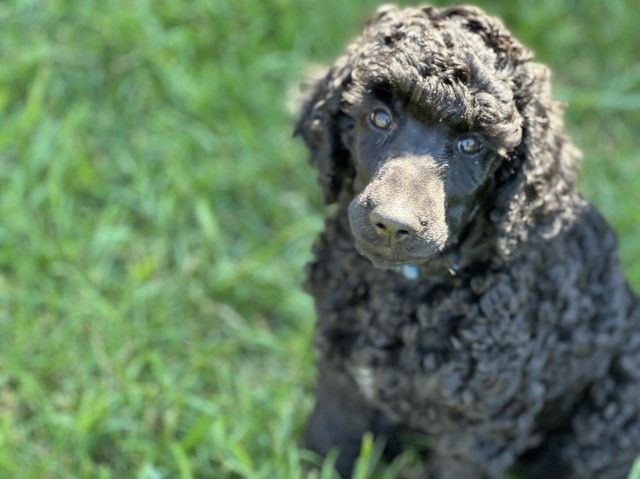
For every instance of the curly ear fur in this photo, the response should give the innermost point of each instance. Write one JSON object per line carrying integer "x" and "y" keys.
{"x": 540, "y": 180}
{"x": 320, "y": 126}
{"x": 323, "y": 123}
{"x": 532, "y": 186}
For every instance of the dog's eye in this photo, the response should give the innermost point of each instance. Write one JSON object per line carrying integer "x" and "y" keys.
{"x": 380, "y": 119}
{"x": 469, "y": 146}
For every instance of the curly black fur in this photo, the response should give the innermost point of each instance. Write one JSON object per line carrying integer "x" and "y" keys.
{"x": 519, "y": 342}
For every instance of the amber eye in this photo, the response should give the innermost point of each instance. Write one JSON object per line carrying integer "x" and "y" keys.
{"x": 380, "y": 119}
{"x": 470, "y": 145}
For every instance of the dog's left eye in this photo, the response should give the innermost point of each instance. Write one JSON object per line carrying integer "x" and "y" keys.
{"x": 470, "y": 145}
{"x": 381, "y": 119}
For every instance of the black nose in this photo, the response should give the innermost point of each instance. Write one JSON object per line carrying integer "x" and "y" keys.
{"x": 392, "y": 228}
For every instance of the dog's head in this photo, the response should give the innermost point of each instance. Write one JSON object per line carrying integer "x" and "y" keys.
{"x": 430, "y": 119}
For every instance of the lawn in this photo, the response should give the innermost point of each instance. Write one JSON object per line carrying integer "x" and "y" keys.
{"x": 156, "y": 216}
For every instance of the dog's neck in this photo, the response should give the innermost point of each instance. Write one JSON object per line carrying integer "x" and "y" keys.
{"x": 475, "y": 248}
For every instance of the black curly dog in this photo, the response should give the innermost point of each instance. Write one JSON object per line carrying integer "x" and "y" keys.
{"x": 464, "y": 288}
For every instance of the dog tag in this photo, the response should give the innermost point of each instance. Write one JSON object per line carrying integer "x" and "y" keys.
{"x": 411, "y": 272}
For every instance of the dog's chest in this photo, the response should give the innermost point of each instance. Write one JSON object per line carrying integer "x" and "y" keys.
{"x": 441, "y": 351}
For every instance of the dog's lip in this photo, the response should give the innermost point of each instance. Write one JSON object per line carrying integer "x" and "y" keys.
{"x": 390, "y": 258}
{"x": 386, "y": 264}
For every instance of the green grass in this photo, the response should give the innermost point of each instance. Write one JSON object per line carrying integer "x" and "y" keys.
{"x": 155, "y": 217}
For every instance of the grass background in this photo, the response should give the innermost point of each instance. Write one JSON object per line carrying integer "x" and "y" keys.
{"x": 155, "y": 217}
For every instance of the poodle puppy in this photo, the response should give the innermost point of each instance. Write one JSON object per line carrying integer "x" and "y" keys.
{"x": 463, "y": 286}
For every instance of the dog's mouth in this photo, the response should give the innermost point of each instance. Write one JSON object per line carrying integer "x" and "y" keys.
{"x": 384, "y": 257}
{"x": 393, "y": 250}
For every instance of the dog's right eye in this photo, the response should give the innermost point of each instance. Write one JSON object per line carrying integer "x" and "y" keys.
{"x": 380, "y": 119}
{"x": 470, "y": 145}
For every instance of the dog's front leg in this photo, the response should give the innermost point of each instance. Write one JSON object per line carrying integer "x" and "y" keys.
{"x": 473, "y": 452}
{"x": 340, "y": 417}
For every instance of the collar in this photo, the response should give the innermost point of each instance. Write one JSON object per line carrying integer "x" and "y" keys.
{"x": 412, "y": 272}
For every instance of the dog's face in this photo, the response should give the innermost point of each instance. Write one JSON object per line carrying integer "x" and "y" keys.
{"x": 427, "y": 122}
{"x": 417, "y": 181}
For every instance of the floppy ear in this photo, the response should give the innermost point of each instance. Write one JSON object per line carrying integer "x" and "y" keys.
{"x": 538, "y": 184}
{"x": 323, "y": 126}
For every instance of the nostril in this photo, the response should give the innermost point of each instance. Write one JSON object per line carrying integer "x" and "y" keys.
{"x": 391, "y": 227}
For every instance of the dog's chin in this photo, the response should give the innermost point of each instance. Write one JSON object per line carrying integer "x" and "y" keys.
{"x": 390, "y": 258}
